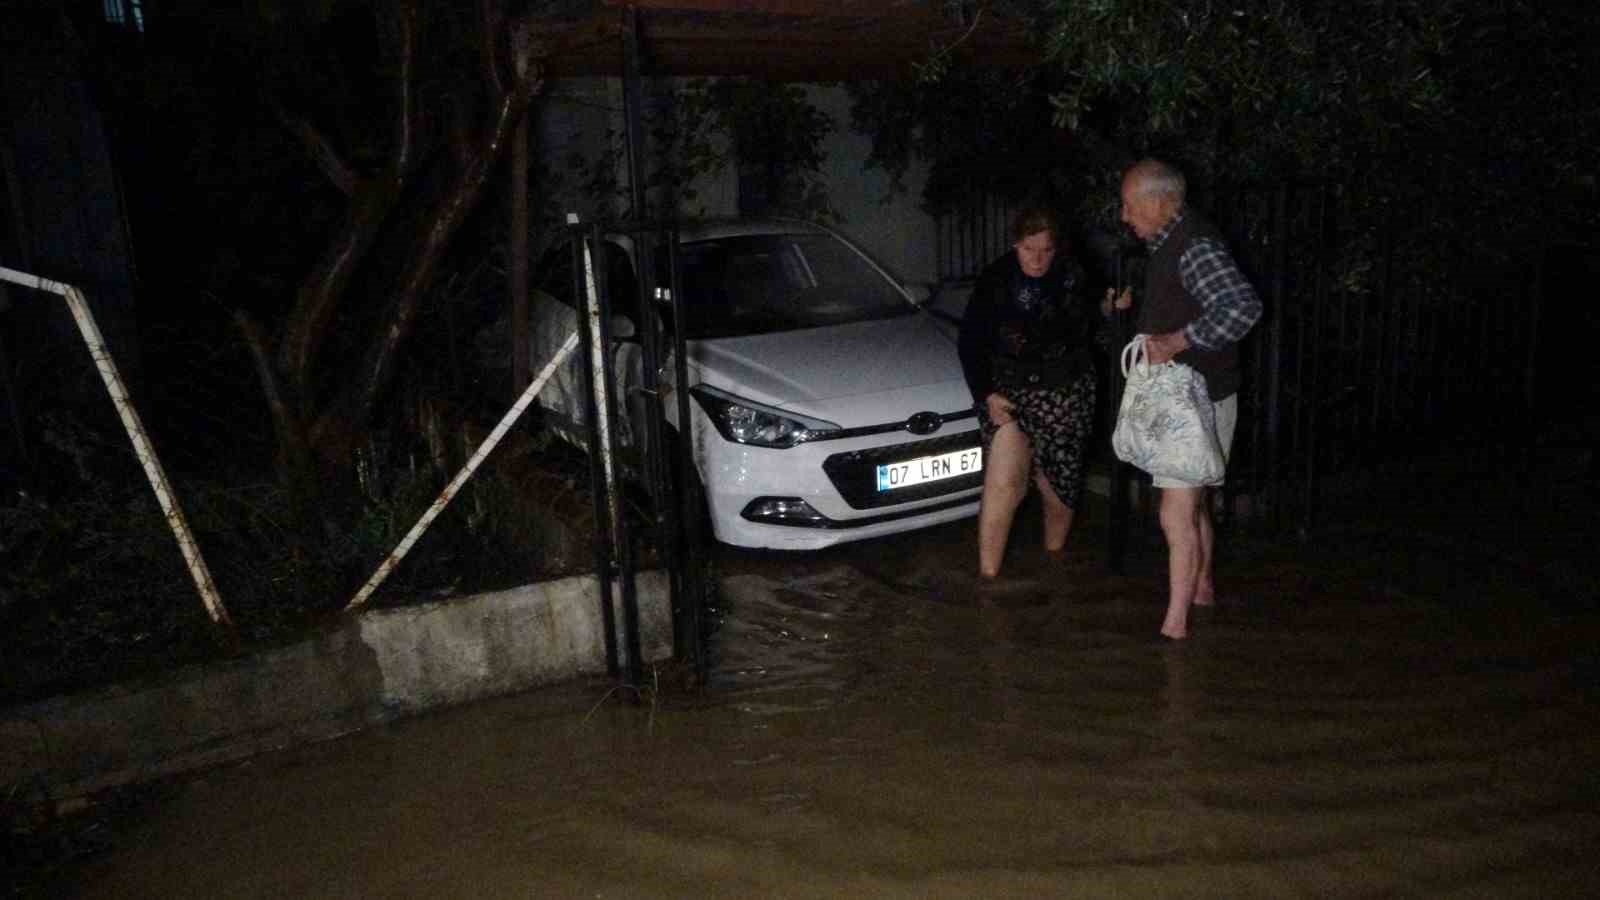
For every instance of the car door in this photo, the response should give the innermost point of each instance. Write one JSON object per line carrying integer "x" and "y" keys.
{"x": 554, "y": 309}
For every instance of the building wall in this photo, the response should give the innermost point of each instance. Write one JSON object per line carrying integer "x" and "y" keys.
{"x": 582, "y": 117}
{"x": 895, "y": 230}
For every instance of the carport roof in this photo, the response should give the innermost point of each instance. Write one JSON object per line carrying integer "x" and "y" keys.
{"x": 781, "y": 40}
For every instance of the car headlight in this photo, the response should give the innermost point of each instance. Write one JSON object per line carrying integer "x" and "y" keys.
{"x": 744, "y": 422}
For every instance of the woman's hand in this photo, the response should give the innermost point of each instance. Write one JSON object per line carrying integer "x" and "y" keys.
{"x": 1000, "y": 410}
{"x": 1115, "y": 300}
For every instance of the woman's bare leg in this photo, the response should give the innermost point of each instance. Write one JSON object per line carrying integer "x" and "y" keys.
{"x": 1005, "y": 483}
{"x": 1057, "y": 515}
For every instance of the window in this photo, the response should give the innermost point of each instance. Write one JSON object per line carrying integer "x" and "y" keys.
{"x": 555, "y": 278}
{"x": 761, "y": 284}
{"x": 125, "y": 12}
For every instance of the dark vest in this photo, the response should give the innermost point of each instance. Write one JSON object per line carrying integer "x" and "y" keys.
{"x": 1168, "y": 307}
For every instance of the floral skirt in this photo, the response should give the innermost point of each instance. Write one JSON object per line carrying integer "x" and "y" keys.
{"x": 1058, "y": 422}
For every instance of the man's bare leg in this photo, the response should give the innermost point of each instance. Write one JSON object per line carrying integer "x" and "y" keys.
{"x": 1180, "y": 523}
{"x": 1057, "y": 515}
{"x": 1205, "y": 593}
{"x": 1005, "y": 482}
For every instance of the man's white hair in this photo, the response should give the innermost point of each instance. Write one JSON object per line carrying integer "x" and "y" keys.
{"x": 1152, "y": 176}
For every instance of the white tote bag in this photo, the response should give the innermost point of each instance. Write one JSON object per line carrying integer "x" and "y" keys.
{"x": 1167, "y": 424}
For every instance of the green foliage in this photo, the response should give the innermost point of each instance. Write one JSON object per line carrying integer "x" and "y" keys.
{"x": 1256, "y": 88}
{"x": 771, "y": 129}
{"x": 697, "y": 130}
{"x": 93, "y": 588}
{"x": 1491, "y": 103}
{"x": 981, "y": 132}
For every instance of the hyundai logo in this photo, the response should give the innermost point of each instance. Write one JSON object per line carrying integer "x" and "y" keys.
{"x": 924, "y": 423}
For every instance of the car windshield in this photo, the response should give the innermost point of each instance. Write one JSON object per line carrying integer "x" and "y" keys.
{"x": 766, "y": 283}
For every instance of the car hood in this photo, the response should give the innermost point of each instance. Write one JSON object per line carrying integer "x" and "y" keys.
{"x": 864, "y": 373}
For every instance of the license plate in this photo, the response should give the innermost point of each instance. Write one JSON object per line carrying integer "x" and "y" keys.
{"x": 893, "y": 476}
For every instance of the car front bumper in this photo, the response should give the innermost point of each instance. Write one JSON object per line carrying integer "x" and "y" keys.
{"x": 747, "y": 488}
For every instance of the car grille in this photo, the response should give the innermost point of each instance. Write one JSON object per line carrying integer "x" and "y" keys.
{"x": 855, "y": 474}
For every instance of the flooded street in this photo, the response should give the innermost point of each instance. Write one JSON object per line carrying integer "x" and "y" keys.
{"x": 1360, "y": 716}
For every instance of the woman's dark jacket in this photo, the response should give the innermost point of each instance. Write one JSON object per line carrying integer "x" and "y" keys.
{"x": 1030, "y": 332}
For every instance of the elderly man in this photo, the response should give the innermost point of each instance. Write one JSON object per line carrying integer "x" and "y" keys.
{"x": 1197, "y": 306}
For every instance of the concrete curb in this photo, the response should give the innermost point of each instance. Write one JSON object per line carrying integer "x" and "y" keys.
{"x": 384, "y": 664}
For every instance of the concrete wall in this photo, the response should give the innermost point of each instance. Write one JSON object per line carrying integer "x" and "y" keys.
{"x": 384, "y": 664}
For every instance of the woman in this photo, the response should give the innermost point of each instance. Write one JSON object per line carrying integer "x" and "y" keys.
{"x": 1028, "y": 340}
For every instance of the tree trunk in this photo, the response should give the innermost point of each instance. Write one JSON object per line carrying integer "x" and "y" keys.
{"x": 317, "y": 429}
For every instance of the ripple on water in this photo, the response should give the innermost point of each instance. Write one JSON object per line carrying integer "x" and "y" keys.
{"x": 790, "y": 647}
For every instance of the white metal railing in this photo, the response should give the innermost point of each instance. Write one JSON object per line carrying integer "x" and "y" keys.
{"x": 107, "y": 367}
{"x": 449, "y": 492}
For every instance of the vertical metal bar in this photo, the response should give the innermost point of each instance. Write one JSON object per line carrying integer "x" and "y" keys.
{"x": 1530, "y": 396}
{"x": 655, "y": 426}
{"x": 654, "y": 459}
{"x": 1240, "y": 216}
{"x": 599, "y": 314}
{"x": 689, "y": 509}
{"x": 1343, "y": 376}
{"x": 1298, "y": 442}
{"x": 517, "y": 250}
{"x": 632, "y": 103}
{"x": 1416, "y": 353}
{"x": 668, "y": 509}
{"x": 1319, "y": 298}
{"x": 583, "y": 276}
{"x": 1446, "y": 321}
{"x": 1276, "y": 316}
{"x": 1117, "y": 502}
{"x": 1358, "y": 369}
{"x": 1382, "y": 383}
{"x": 633, "y": 132}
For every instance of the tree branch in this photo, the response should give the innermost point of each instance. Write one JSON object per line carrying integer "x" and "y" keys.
{"x": 317, "y": 145}
{"x": 291, "y": 437}
{"x": 455, "y": 202}
{"x": 488, "y": 31}
{"x": 398, "y": 28}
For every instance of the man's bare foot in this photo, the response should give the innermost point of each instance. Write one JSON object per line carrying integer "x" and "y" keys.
{"x": 1205, "y": 595}
{"x": 1176, "y": 624}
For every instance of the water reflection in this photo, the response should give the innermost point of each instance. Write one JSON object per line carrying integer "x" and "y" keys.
{"x": 895, "y": 731}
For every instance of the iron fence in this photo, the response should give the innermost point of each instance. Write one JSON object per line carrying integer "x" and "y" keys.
{"x": 1384, "y": 336}
{"x": 966, "y": 240}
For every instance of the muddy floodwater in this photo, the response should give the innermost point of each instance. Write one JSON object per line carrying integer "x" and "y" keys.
{"x": 1401, "y": 706}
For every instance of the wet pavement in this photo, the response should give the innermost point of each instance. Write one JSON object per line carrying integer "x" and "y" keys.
{"x": 1404, "y": 707}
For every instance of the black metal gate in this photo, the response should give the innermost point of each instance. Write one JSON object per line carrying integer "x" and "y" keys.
{"x": 665, "y": 465}
{"x": 1384, "y": 338}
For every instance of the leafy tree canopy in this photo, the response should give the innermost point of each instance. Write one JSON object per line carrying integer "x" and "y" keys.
{"x": 1496, "y": 96}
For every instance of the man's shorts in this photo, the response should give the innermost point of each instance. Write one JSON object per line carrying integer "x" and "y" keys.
{"x": 1227, "y": 419}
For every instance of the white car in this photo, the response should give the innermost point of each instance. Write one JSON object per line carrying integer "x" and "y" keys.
{"x": 826, "y": 406}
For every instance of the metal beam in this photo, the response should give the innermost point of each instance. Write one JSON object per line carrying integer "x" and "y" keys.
{"x": 848, "y": 42}
{"x": 809, "y": 8}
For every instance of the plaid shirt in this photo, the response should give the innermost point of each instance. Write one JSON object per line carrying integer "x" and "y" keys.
{"x": 1230, "y": 304}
